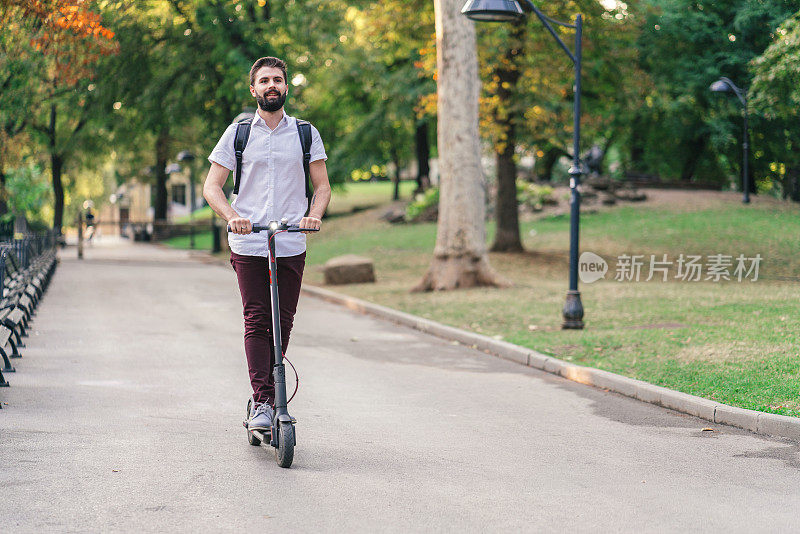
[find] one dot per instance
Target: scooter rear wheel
(251, 439)
(284, 454)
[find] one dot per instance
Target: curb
(768, 424)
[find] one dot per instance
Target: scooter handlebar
(296, 228)
(286, 227)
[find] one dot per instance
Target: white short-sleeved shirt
(273, 184)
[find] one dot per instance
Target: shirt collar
(257, 118)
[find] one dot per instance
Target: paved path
(125, 416)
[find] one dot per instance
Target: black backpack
(240, 142)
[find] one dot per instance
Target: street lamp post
(725, 85)
(511, 11)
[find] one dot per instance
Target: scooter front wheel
(284, 454)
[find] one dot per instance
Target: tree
(505, 116)
(154, 87)
(685, 46)
(528, 97)
(460, 258)
(67, 40)
(372, 87)
(28, 193)
(18, 65)
(776, 94)
(183, 73)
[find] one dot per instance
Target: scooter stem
(279, 371)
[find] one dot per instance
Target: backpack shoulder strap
(304, 130)
(239, 144)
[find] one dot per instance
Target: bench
(26, 268)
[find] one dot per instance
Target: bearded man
(272, 187)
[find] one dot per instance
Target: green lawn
(734, 342)
(362, 195)
(201, 214)
(202, 241)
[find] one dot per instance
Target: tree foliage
(126, 85)
(370, 92)
(58, 45)
(29, 194)
(776, 94)
(684, 130)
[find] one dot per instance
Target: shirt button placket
(269, 176)
(272, 180)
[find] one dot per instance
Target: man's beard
(271, 105)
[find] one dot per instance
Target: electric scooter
(282, 434)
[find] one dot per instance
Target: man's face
(270, 89)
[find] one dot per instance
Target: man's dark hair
(268, 61)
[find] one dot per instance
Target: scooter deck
(257, 432)
(264, 436)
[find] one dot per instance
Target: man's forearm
(215, 197)
(319, 202)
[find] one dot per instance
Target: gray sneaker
(261, 417)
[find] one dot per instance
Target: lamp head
(172, 168)
(721, 86)
(493, 10)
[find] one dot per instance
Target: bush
(28, 191)
(534, 196)
(423, 204)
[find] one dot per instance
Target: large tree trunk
(637, 143)
(507, 238)
(57, 164)
(423, 147)
(695, 152)
(162, 155)
(791, 184)
(396, 176)
(751, 179)
(56, 168)
(459, 258)
(3, 191)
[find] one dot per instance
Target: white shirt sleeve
(317, 148)
(223, 153)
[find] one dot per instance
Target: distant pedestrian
(90, 225)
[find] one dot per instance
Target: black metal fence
(29, 247)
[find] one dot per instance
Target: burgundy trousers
(253, 275)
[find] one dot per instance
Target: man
(272, 187)
(89, 224)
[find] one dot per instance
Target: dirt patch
(533, 257)
(564, 350)
(731, 352)
(679, 200)
(657, 326)
(683, 200)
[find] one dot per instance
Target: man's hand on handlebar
(240, 225)
(312, 223)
